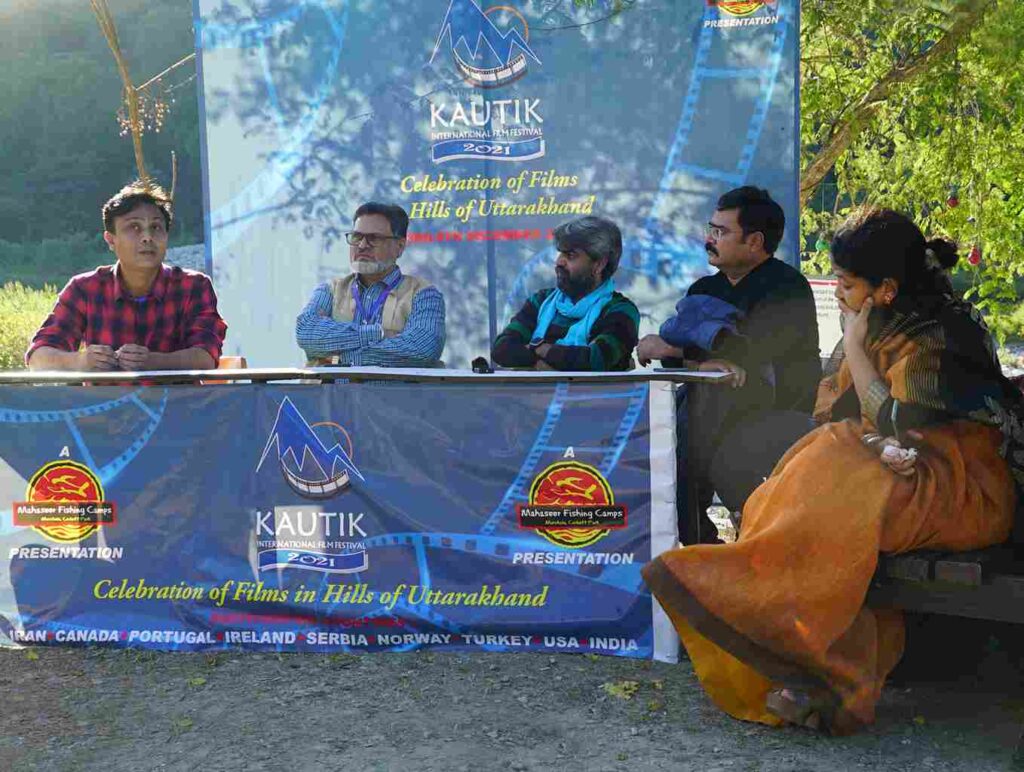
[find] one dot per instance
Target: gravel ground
(956, 703)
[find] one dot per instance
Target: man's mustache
(710, 249)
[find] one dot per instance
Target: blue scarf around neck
(584, 312)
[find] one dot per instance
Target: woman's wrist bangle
(872, 440)
(877, 394)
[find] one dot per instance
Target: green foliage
(1009, 325)
(52, 259)
(22, 309)
(63, 153)
(953, 130)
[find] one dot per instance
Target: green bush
(1009, 326)
(44, 262)
(22, 310)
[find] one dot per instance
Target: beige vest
(397, 307)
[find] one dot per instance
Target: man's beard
(574, 288)
(371, 266)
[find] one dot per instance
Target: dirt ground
(956, 703)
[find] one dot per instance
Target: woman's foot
(800, 708)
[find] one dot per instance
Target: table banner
(335, 518)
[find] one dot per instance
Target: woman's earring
(889, 297)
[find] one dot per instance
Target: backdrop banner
(337, 518)
(491, 123)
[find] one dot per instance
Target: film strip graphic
(656, 254)
(488, 542)
(546, 448)
(649, 255)
(75, 420)
(546, 443)
(152, 413)
(227, 221)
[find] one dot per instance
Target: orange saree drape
(783, 606)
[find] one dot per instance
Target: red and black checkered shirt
(179, 312)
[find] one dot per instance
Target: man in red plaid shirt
(137, 314)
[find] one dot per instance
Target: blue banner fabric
(491, 122)
(340, 518)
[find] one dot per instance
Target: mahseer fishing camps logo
(65, 503)
(740, 7)
(489, 49)
(315, 458)
(572, 505)
(741, 13)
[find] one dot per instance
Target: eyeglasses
(372, 239)
(716, 231)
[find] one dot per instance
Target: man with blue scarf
(582, 324)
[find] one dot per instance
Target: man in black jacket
(771, 352)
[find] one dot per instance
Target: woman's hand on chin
(855, 326)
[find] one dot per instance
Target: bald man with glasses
(376, 315)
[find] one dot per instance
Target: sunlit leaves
(958, 129)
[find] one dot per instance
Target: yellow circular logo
(67, 483)
(569, 484)
(740, 7)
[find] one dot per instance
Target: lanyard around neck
(364, 316)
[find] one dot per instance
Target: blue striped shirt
(420, 343)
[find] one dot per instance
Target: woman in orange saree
(775, 623)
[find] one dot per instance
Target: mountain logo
(313, 467)
(64, 503)
(485, 55)
(740, 7)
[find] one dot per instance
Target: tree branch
(109, 29)
(965, 16)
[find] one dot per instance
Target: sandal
(811, 711)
